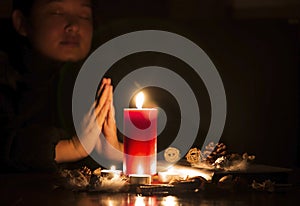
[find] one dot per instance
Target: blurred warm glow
(183, 172)
(110, 203)
(140, 170)
(139, 201)
(139, 100)
(169, 201)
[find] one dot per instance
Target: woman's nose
(72, 24)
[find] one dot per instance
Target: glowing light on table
(111, 173)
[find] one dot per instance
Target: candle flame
(139, 100)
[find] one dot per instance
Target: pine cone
(214, 151)
(77, 179)
(193, 156)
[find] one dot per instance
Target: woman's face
(61, 29)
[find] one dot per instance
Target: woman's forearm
(69, 150)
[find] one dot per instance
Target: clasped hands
(100, 119)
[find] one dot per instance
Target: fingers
(102, 109)
(111, 112)
(110, 98)
(105, 97)
(111, 115)
(105, 81)
(102, 114)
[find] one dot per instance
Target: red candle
(140, 139)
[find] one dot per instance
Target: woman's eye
(85, 16)
(57, 12)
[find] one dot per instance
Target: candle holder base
(137, 179)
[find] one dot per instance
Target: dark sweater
(35, 113)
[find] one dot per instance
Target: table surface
(38, 189)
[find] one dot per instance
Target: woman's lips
(71, 43)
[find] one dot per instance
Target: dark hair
(23, 5)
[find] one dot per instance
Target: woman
(54, 32)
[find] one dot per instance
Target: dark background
(255, 46)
